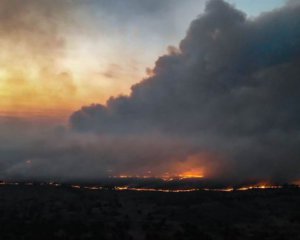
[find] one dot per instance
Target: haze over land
(223, 104)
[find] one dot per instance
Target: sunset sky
(57, 56)
(102, 88)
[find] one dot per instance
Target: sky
(92, 89)
(58, 56)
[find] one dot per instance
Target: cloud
(231, 88)
(292, 2)
(25, 23)
(41, 40)
(33, 43)
(40, 152)
(225, 101)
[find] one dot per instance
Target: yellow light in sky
(55, 86)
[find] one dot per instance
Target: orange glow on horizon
(297, 182)
(145, 189)
(191, 174)
(193, 167)
(194, 173)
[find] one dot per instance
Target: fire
(297, 182)
(165, 176)
(229, 189)
(186, 170)
(262, 187)
(93, 188)
(127, 188)
(194, 166)
(191, 174)
(133, 176)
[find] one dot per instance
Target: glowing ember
(166, 176)
(145, 189)
(93, 188)
(258, 187)
(297, 182)
(191, 167)
(127, 188)
(190, 174)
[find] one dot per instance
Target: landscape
(150, 119)
(54, 211)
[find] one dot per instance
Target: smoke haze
(225, 101)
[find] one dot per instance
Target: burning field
(61, 211)
(149, 120)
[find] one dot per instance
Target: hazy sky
(101, 88)
(59, 55)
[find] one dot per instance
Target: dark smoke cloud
(226, 99)
(231, 88)
(41, 152)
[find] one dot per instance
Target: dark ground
(44, 212)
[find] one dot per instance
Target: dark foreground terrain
(44, 212)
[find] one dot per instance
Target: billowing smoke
(59, 55)
(225, 102)
(231, 89)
